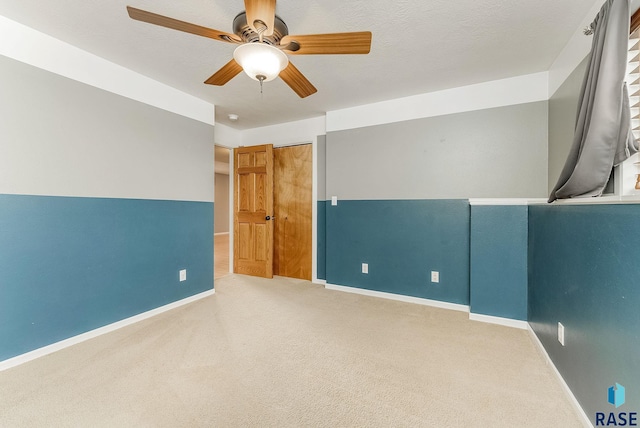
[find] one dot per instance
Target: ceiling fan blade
(328, 44)
(263, 11)
(296, 81)
(226, 73)
(165, 21)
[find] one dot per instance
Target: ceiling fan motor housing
(242, 29)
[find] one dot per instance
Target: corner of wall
(227, 136)
(40, 50)
(299, 131)
(573, 53)
(497, 93)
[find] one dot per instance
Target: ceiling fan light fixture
(261, 59)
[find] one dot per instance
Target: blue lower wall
(584, 271)
(402, 241)
(321, 258)
(70, 265)
(499, 261)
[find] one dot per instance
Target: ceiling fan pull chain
(261, 79)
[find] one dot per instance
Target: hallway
(220, 255)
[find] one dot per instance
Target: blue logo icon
(616, 395)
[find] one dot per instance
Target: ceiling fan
(263, 41)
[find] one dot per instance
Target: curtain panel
(603, 137)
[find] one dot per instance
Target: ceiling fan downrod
(260, 27)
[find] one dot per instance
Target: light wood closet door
(293, 169)
(253, 208)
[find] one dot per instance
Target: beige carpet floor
(288, 353)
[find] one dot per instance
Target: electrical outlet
(435, 276)
(365, 267)
(183, 275)
(561, 334)
(334, 201)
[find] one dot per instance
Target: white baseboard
(49, 349)
(572, 398)
(320, 281)
(508, 322)
(399, 297)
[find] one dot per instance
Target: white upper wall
(497, 93)
(282, 134)
(301, 131)
(227, 136)
(27, 45)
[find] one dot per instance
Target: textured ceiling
(418, 46)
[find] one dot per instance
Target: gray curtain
(603, 137)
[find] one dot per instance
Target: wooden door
(253, 205)
(293, 176)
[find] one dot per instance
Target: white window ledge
(633, 199)
(610, 199)
(506, 201)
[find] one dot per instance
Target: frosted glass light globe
(260, 59)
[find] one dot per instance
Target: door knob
(270, 218)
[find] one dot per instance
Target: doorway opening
(221, 232)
